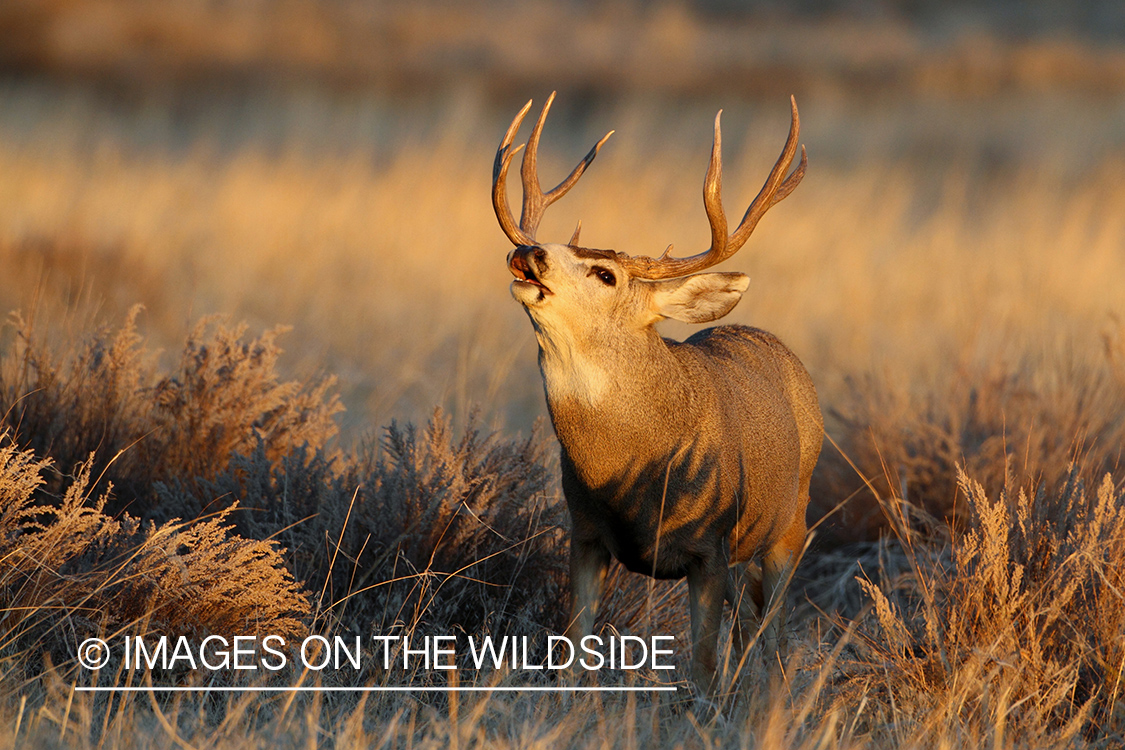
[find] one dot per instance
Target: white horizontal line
(380, 689)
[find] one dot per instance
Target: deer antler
(722, 247)
(535, 201)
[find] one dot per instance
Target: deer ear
(700, 298)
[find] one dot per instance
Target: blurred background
(326, 165)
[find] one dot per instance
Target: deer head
(570, 286)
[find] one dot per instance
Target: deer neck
(610, 393)
(598, 366)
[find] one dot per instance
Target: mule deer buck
(678, 458)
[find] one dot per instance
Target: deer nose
(529, 259)
(539, 255)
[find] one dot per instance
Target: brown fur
(678, 458)
(702, 459)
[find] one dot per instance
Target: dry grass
(1012, 634)
(71, 571)
(950, 270)
(103, 402)
(1006, 634)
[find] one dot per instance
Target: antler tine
(535, 201)
(500, 166)
(792, 181)
(574, 237)
(775, 189)
(713, 195)
(765, 197)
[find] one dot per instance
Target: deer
(678, 458)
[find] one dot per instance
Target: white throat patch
(568, 373)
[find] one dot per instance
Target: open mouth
(525, 273)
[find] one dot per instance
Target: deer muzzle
(528, 263)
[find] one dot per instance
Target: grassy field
(951, 271)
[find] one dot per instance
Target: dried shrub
(1036, 419)
(71, 404)
(107, 400)
(634, 603)
(475, 508)
(225, 399)
(70, 570)
(1016, 626)
(423, 530)
(470, 530)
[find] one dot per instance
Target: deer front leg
(589, 561)
(707, 587)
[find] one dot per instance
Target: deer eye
(604, 275)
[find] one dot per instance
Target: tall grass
(1005, 634)
(1004, 627)
(71, 571)
(1011, 634)
(104, 402)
